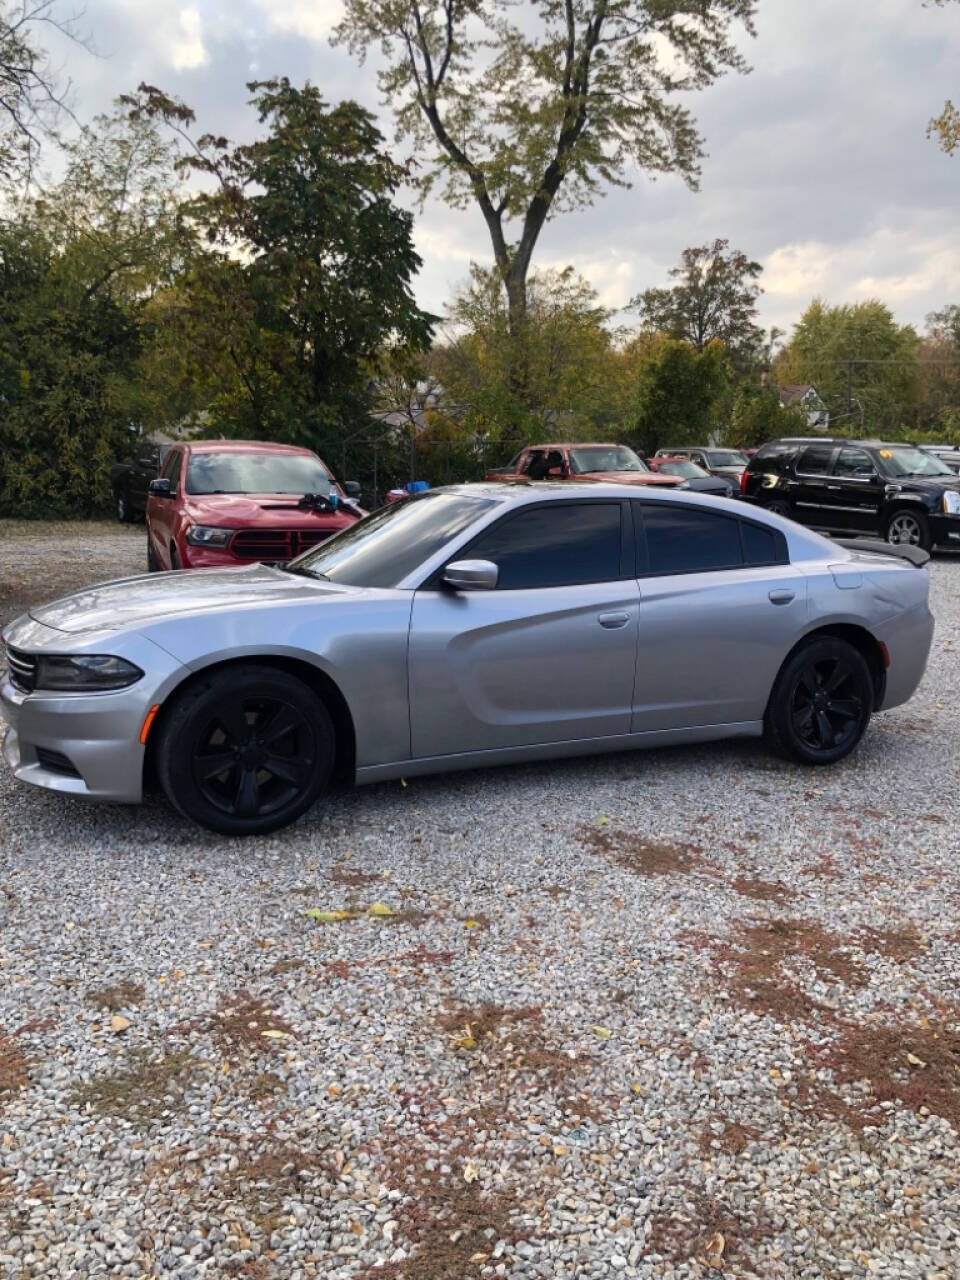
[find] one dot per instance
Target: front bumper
(98, 734)
(945, 530)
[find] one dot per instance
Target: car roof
(246, 446)
(583, 444)
(521, 492)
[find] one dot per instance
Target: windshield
(605, 458)
(689, 470)
(726, 458)
(257, 473)
(381, 549)
(911, 462)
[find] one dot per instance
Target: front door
(808, 485)
(549, 655)
(720, 609)
(855, 492)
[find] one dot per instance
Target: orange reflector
(145, 731)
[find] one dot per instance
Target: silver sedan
(468, 626)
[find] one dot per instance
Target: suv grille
(276, 544)
(23, 670)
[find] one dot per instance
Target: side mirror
(471, 575)
(351, 488)
(161, 488)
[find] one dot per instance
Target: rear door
(855, 491)
(720, 609)
(162, 512)
(808, 485)
(549, 655)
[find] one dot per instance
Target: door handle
(613, 620)
(782, 597)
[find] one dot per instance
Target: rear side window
(686, 540)
(554, 546)
(815, 460)
(775, 449)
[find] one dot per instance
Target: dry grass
(734, 1138)
(123, 995)
(762, 890)
(642, 856)
(14, 1068)
(242, 1024)
(689, 1232)
(147, 1088)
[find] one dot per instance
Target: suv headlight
(85, 673)
(205, 535)
(951, 502)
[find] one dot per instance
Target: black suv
(900, 492)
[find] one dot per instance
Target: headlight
(85, 673)
(951, 502)
(205, 535)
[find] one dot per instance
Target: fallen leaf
(178, 974)
(915, 1061)
(471, 924)
(479, 1257)
(273, 1034)
(329, 917)
(470, 1171)
(637, 1089)
(603, 1032)
(381, 909)
(403, 782)
(205, 944)
(712, 1254)
(602, 821)
(465, 1040)
(333, 1090)
(118, 1023)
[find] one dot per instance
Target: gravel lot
(684, 1013)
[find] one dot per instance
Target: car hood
(631, 477)
(708, 484)
(934, 485)
(259, 511)
(129, 601)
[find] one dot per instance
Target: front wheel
(152, 565)
(821, 703)
(121, 507)
(909, 528)
(245, 750)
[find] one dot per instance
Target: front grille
(23, 670)
(275, 544)
(57, 762)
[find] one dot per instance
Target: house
(807, 397)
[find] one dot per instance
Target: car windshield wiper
(303, 572)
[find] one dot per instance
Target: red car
(224, 503)
(604, 463)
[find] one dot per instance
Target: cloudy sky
(817, 165)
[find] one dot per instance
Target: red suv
(223, 503)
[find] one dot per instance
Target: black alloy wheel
(779, 507)
(822, 702)
(246, 751)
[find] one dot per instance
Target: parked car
(584, 462)
(949, 454)
(131, 480)
(466, 626)
(219, 503)
(697, 479)
(728, 463)
(893, 491)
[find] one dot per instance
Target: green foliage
(307, 279)
(714, 299)
(676, 391)
(946, 126)
(758, 416)
(882, 375)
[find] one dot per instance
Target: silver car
(473, 625)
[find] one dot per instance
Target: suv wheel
(152, 565)
(821, 703)
(908, 528)
(246, 750)
(779, 507)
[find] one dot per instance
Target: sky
(818, 165)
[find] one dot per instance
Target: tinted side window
(762, 545)
(685, 540)
(776, 449)
(853, 462)
(171, 468)
(815, 460)
(554, 546)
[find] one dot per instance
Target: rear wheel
(821, 703)
(246, 750)
(908, 528)
(779, 507)
(121, 507)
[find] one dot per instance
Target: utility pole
(849, 389)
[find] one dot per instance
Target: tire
(906, 527)
(234, 717)
(779, 508)
(152, 565)
(803, 720)
(121, 507)
(174, 558)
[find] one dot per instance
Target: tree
(856, 355)
(676, 391)
(572, 364)
(714, 299)
(524, 119)
(946, 126)
(309, 272)
(758, 416)
(31, 97)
